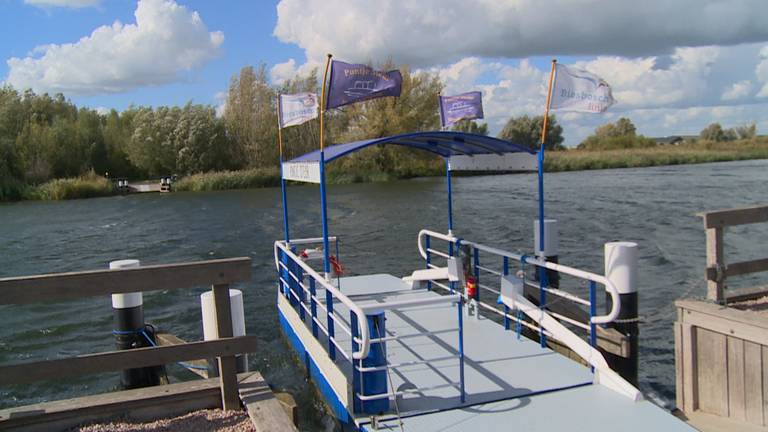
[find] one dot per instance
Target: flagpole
(282, 179)
(542, 270)
(323, 205)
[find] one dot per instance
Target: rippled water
(378, 224)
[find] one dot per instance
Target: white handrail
(362, 321)
(601, 319)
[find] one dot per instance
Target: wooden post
(227, 365)
(715, 260)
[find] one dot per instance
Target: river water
(377, 223)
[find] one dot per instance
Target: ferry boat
(427, 351)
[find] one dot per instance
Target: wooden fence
(219, 274)
(717, 271)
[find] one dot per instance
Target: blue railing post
(476, 259)
(331, 333)
(592, 313)
(429, 256)
(542, 298)
(450, 253)
(302, 293)
(313, 305)
(461, 350)
(505, 272)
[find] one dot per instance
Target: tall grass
(86, 186)
(222, 180)
(689, 153)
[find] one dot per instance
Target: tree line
(44, 137)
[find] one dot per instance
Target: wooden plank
(68, 286)
(715, 259)
(711, 423)
(764, 352)
(22, 373)
(746, 267)
(690, 374)
(198, 367)
(712, 372)
(265, 411)
(727, 326)
(679, 388)
(714, 311)
(753, 383)
(227, 364)
(745, 294)
(141, 405)
(730, 217)
(736, 403)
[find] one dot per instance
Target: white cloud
(166, 40)
(676, 94)
(737, 90)
(282, 72)
(430, 32)
(72, 4)
(761, 70)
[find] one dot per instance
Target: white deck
(509, 382)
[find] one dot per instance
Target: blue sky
(248, 40)
(669, 75)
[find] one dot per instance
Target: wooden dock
(228, 391)
(721, 346)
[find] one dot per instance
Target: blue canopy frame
(443, 143)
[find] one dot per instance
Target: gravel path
(198, 421)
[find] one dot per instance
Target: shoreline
(92, 186)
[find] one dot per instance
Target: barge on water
(414, 353)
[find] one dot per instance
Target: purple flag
(464, 106)
(352, 83)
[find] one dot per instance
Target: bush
(224, 180)
(86, 186)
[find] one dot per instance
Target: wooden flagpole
(322, 101)
(323, 205)
(549, 101)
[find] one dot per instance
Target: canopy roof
(445, 144)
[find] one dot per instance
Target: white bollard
(210, 330)
(621, 262)
(551, 250)
(551, 238)
(621, 266)
(126, 300)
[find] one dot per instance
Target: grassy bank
(86, 186)
(689, 153)
(356, 171)
(222, 180)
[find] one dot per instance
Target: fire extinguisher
(471, 287)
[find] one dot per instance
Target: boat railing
(304, 295)
(487, 260)
(299, 283)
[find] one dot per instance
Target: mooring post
(621, 262)
(370, 383)
(210, 325)
(551, 251)
(129, 332)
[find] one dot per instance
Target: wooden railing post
(227, 365)
(716, 261)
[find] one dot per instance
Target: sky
(675, 66)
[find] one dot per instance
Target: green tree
(471, 126)
(618, 135)
(251, 118)
(713, 132)
(526, 131)
(200, 141)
